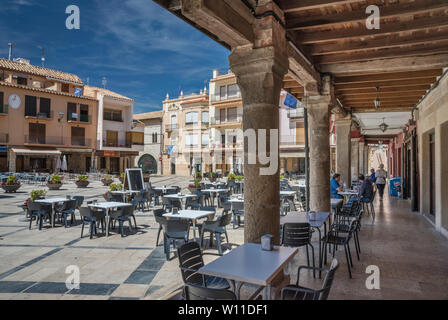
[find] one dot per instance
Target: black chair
(123, 215)
(174, 230)
(79, 201)
(193, 203)
(190, 261)
(160, 219)
(167, 204)
(192, 292)
(297, 292)
(299, 235)
(339, 238)
(68, 209)
(141, 200)
(91, 217)
(238, 212)
(38, 213)
(216, 228)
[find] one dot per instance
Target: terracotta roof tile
(149, 115)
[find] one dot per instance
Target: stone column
(362, 169)
(318, 120)
(354, 160)
(12, 161)
(260, 75)
(343, 149)
(366, 158)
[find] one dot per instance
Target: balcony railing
(80, 142)
(117, 144)
(4, 138)
(216, 121)
(40, 115)
(58, 141)
(217, 98)
(80, 118)
(4, 110)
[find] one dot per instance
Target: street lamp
(377, 101)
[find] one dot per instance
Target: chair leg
(31, 221)
(314, 263)
(307, 256)
(348, 262)
(135, 222)
(158, 235)
(227, 237)
(350, 254)
(92, 227)
(202, 239)
(41, 221)
(82, 228)
(218, 242)
(121, 228)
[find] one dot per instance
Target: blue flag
(290, 101)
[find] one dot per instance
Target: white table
(249, 264)
(107, 206)
(180, 197)
(300, 184)
(52, 202)
(348, 194)
(287, 193)
(192, 215)
(164, 189)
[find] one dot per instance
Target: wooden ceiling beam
(360, 16)
(372, 96)
(367, 44)
(289, 6)
(383, 104)
(383, 53)
(390, 109)
(361, 31)
(418, 89)
(385, 84)
(388, 65)
(388, 76)
(369, 102)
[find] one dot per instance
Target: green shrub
(37, 194)
(115, 187)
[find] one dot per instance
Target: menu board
(133, 180)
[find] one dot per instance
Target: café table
(180, 196)
(319, 221)
(192, 215)
(106, 207)
(251, 265)
(52, 202)
(347, 194)
(287, 192)
(123, 193)
(164, 189)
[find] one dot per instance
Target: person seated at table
(335, 186)
(366, 190)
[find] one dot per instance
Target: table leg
(52, 215)
(194, 229)
(107, 222)
(320, 252)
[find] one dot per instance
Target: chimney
(215, 73)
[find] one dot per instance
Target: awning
(36, 152)
(73, 150)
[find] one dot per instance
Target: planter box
(11, 188)
(82, 184)
(107, 182)
(54, 186)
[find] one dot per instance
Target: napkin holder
(267, 242)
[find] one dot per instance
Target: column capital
(356, 139)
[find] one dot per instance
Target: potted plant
(239, 178)
(115, 187)
(37, 195)
(54, 183)
(11, 184)
(121, 177)
(195, 186)
(82, 181)
(107, 180)
(231, 176)
(213, 176)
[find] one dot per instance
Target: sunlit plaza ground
(410, 255)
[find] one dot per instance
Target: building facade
(117, 143)
(150, 157)
(44, 115)
(186, 134)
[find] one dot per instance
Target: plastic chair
(91, 217)
(37, 213)
(192, 292)
(174, 230)
(238, 212)
(123, 215)
(216, 228)
(69, 210)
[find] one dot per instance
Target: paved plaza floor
(411, 256)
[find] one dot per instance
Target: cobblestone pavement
(33, 263)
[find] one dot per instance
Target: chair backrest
(85, 212)
(193, 292)
(158, 215)
(127, 211)
(225, 219)
(175, 226)
(296, 234)
(70, 204)
(108, 196)
(190, 257)
(207, 209)
(79, 201)
(237, 206)
(34, 206)
(328, 281)
(166, 201)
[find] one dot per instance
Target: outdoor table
(124, 193)
(52, 202)
(192, 215)
(348, 194)
(214, 192)
(107, 206)
(180, 196)
(301, 217)
(249, 264)
(164, 189)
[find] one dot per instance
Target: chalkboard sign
(133, 180)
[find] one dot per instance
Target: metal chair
(238, 212)
(299, 235)
(37, 212)
(297, 292)
(174, 230)
(91, 217)
(192, 292)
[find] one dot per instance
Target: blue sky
(143, 50)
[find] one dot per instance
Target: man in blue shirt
(335, 187)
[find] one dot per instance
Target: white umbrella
(64, 164)
(58, 164)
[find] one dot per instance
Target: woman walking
(381, 176)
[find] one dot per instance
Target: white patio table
(52, 202)
(249, 264)
(107, 206)
(180, 196)
(192, 215)
(214, 192)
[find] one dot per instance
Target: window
(65, 87)
(222, 115)
(191, 118)
(191, 140)
(71, 112)
(45, 106)
(84, 113)
(233, 91)
(111, 138)
(36, 133)
(30, 106)
(2, 109)
(112, 115)
(205, 139)
(223, 92)
(205, 117)
(22, 81)
(138, 138)
(173, 122)
(232, 114)
(154, 137)
(103, 162)
(223, 139)
(78, 136)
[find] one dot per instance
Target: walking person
(381, 176)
